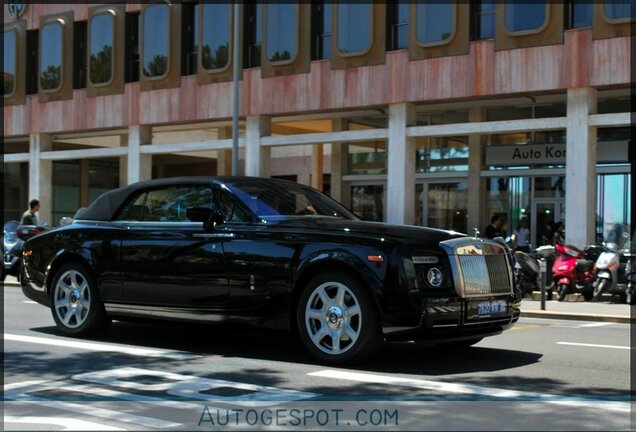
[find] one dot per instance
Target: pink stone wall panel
(482, 71)
(17, 119)
(610, 61)
(529, 69)
(397, 66)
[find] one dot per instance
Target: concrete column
(580, 168)
(224, 157)
(41, 177)
(123, 162)
(139, 166)
(257, 157)
(317, 166)
(340, 190)
(401, 166)
(476, 184)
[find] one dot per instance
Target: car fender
(63, 256)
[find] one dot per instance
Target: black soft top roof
(107, 204)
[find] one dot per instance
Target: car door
(167, 260)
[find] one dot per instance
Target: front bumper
(451, 319)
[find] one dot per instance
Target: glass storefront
(16, 190)
(367, 202)
(442, 205)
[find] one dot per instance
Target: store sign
(16, 9)
(550, 154)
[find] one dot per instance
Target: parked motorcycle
(13, 237)
(610, 271)
(630, 288)
(572, 272)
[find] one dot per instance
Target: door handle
(214, 235)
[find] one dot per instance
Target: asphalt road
(541, 375)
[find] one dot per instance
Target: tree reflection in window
(51, 56)
(101, 49)
(215, 33)
(8, 69)
(282, 32)
(620, 10)
(435, 22)
(156, 39)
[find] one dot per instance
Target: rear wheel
(75, 303)
(337, 319)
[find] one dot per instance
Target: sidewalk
(572, 308)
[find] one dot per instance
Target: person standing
(521, 236)
(494, 229)
(559, 233)
(29, 217)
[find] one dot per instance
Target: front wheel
(562, 291)
(337, 319)
(75, 303)
(599, 288)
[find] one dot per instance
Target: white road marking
(29, 302)
(471, 390)
(104, 347)
(596, 324)
(67, 423)
(594, 345)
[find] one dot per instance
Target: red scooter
(572, 272)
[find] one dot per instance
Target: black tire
(75, 303)
(562, 291)
(599, 288)
(459, 345)
(588, 295)
(318, 320)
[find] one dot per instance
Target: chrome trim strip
(163, 312)
(214, 235)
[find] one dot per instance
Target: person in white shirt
(521, 236)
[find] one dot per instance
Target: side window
(132, 210)
(170, 204)
(231, 211)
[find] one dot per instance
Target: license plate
(492, 307)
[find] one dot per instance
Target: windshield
(274, 201)
(9, 230)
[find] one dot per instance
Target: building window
(9, 65)
(51, 56)
(525, 17)
(620, 11)
(442, 154)
(253, 34)
(398, 25)
(79, 55)
(368, 202)
(367, 158)
(131, 48)
(282, 32)
(32, 62)
(484, 20)
(435, 22)
(215, 36)
(156, 40)
(354, 28)
(66, 189)
(446, 205)
(189, 37)
(579, 14)
(100, 64)
(321, 26)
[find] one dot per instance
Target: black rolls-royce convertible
(272, 253)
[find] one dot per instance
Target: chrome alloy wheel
(72, 301)
(333, 318)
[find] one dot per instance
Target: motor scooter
(572, 273)
(630, 288)
(610, 271)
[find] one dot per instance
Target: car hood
(405, 233)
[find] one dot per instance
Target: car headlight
(435, 277)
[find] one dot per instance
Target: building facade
(431, 114)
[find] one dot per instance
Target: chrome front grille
(480, 267)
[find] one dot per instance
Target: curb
(621, 319)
